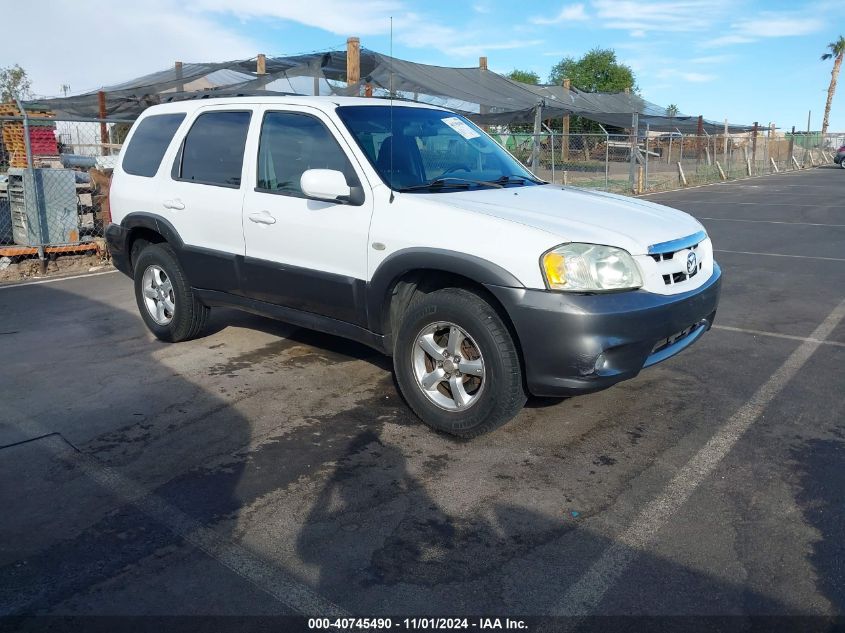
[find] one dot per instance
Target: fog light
(601, 362)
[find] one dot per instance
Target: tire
(486, 348)
(160, 281)
(842, 163)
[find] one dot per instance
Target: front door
(305, 254)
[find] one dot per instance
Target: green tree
(14, 84)
(836, 50)
(524, 76)
(596, 71)
(672, 110)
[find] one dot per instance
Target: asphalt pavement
(268, 470)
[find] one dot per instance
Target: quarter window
(213, 150)
(292, 143)
(149, 143)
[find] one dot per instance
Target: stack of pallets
(42, 137)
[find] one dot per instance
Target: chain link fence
(55, 175)
(621, 163)
(54, 179)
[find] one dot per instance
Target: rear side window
(213, 151)
(292, 143)
(149, 143)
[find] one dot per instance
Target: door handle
(176, 204)
(262, 217)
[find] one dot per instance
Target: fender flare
(432, 259)
(143, 219)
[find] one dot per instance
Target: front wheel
(165, 299)
(457, 364)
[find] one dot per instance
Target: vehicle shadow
(378, 533)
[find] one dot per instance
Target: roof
(322, 103)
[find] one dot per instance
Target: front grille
(677, 276)
(671, 340)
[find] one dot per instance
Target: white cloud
(124, 40)
(366, 17)
(711, 59)
(767, 25)
(480, 8)
(479, 49)
(664, 15)
(570, 13)
(692, 77)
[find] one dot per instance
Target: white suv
(407, 228)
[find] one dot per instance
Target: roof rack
(214, 94)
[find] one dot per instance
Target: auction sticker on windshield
(460, 127)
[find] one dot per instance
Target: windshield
(431, 150)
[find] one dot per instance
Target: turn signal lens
(555, 267)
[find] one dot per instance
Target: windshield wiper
(512, 179)
(439, 183)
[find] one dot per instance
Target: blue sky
(741, 59)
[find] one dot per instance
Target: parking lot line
(829, 259)
(54, 280)
(585, 594)
(791, 337)
(700, 217)
(249, 566)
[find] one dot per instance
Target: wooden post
(482, 108)
(699, 133)
(368, 90)
(721, 171)
(774, 164)
(681, 174)
(261, 70)
(104, 128)
(353, 60)
(180, 86)
(792, 145)
(754, 145)
(564, 146)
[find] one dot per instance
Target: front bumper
(578, 343)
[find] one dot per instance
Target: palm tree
(836, 50)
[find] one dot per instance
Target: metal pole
(606, 158)
(635, 130)
(535, 150)
(30, 169)
(647, 128)
(552, 137)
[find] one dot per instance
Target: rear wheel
(165, 299)
(457, 364)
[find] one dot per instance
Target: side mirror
(325, 184)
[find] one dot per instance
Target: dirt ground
(25, 268)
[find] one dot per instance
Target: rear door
(202, 195)
(301, 253)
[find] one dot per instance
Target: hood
(578, 215)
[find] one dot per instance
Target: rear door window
(149, 143)
(213, 150)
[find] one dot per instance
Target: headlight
(590, 268)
